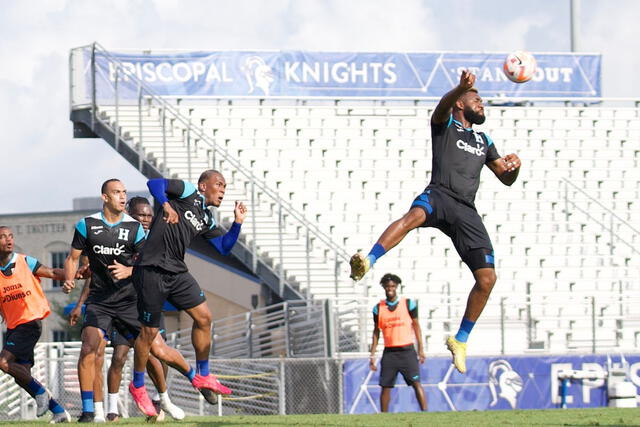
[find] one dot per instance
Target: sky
(44, 168)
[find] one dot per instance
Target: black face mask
(473, 117)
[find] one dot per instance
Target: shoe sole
(357, 267)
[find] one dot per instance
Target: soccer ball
(519, 66)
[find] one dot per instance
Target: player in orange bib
(397, 318)
(23, 305)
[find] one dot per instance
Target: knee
(4, 365)
(203, 320)
(486, 281)
(413, 219)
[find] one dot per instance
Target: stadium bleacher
(563, 228)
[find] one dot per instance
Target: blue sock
(55, 407)
(190, 374)
(376, 252)
(87, 401)
(203, 367)
(138, 379)
(465, 329)
(35, 388)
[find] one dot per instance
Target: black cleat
(112, 418)
(86, 417)
(209, 396)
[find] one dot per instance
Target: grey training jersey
(458, 157)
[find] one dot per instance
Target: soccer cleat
(62, 417)
(86, 417)
(459, 352)
(209, 396)
(42, 403)
(113, 418)
(171, 409)
(209, 382)
(161, 414)
(99, 419)
(142, 400)
(360, 264)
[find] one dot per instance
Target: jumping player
(110, 239)
(459, 153)
(23, 305)
(397, 318)
(161, 274)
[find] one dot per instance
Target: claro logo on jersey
(107, 250)
(477, 150)
(191, 217)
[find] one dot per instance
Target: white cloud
(46, 167)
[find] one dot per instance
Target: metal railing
(619, 232)
(282, 209)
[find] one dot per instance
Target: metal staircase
(282, 247)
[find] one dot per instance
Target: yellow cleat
(459, 352)
(360, 264)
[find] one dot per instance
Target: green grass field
(554, 417)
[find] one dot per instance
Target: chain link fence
(260, 386)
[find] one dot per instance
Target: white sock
(99, 409)
(164, 397)
(155, 396)
(112, 401)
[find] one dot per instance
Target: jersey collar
(12, 259)
(392, 303)
(460, 124)
(108, 223)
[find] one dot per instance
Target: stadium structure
(326, 149)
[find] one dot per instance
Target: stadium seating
(562, 233)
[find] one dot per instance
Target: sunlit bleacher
(564, 231)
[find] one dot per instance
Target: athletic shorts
(155, 286)
(122, 316)
(21, 340)
(121, 336)
(396, 360)
(461, 223)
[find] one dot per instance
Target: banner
(509, 382)
(334, 74)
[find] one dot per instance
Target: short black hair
(103, 189)
(206, 174)
(389, 277)
(135, 201)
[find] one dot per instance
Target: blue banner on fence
(509, 382)
(332, 74)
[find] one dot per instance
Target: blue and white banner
(509, 382)
(334, 74)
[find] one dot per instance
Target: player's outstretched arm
(442, 111)
(70, 269)
(506, 168)
(51, 273)
(224, 243)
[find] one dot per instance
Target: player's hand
(170, 214)
(421, 357)
(240, 212)
(83, 272)
(511, 162)
(68, 286)
(119, 271)
(372, 364)
(75, 314)
(467, 80)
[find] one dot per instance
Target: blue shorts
(461, 223)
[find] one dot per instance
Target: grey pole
(575, 24)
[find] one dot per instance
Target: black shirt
(458, 156)
(167, 243)
(104, 243)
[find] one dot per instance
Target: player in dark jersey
(140, 210)
(110, 239)
(23, 305)
(459, 153)
(160, 272)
